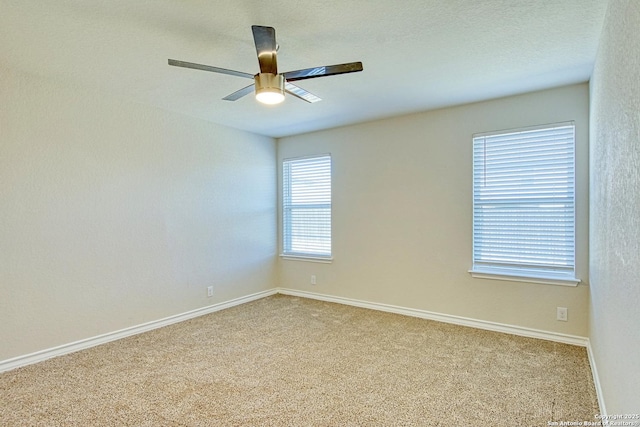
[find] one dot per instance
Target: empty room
(381, 213)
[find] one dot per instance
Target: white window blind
(307, 206)
(524, 202)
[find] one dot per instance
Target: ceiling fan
(270, 86)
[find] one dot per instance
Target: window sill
(308, 258)
(523, 277)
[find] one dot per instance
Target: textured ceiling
(417, 54)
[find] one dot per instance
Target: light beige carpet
(286, 361)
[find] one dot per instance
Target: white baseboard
(446, 318)
(596, 379)
(42, 355)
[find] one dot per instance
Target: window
(524, 204)
(306, 207)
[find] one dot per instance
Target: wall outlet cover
(562, 314)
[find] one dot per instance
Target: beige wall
(113, 214)
(402, 213)
(615, 208)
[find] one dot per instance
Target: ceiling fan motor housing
(269, 87)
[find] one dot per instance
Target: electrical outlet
(562, 313)
(313, 279)
(210, 291)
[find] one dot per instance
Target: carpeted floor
(287, 361)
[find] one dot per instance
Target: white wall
(615, 208)
(113, 214)
(402, 213)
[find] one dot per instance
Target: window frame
(302, 255)
(517, 272)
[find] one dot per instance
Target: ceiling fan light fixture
(269, 88)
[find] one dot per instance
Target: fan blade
(327, 70)
(184, 64)
(239, 93)
(266, 47)
(298, 92)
